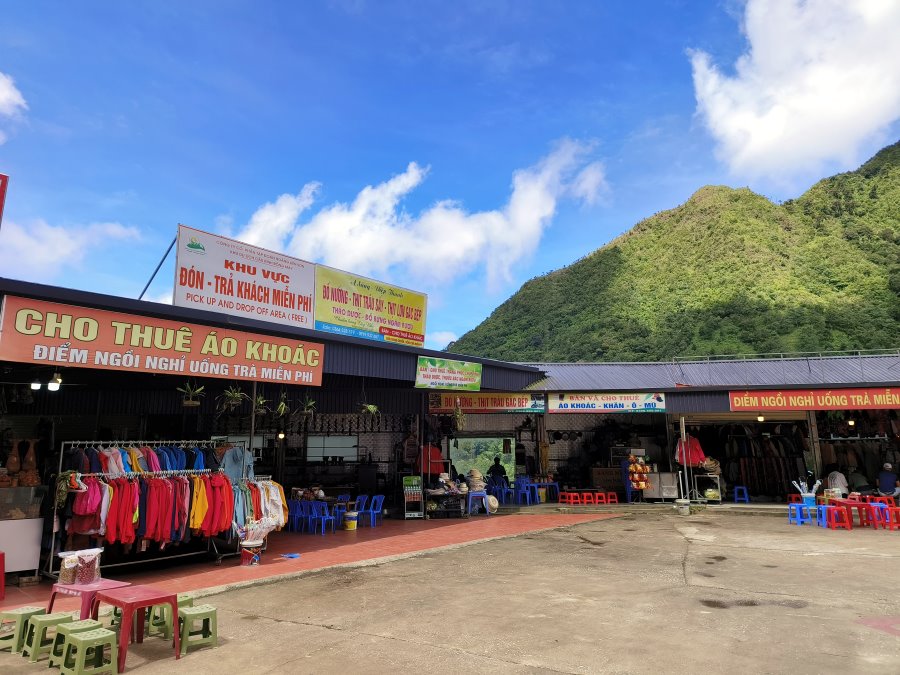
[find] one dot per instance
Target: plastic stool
(837, 518)
(161, 618)
(795, 514)
(893, 518)
(36, 640)
(612, 498)
(63, 631)
(600, 498)
(588, 498)
(484, 501)
(822, 514)
(90, 648)
(795, 499)
(207, 634)
(14, 639)
(740, 494)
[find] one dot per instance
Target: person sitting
(837, 480)
(888, 485)
(858, 482)
(497, 471)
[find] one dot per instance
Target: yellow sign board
(347, 304)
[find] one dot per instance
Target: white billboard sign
(224, 275)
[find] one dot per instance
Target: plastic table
(863, 509)
(132, 600)
(547, 486)
(86, 591)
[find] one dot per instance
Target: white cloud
(11, 100)
(374, 235)
(439, 339)
(41, 252)
(820, 80)
(590, 184)
(12, 103)
(274, 221)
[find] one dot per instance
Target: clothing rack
(194, 442)
(164, 474)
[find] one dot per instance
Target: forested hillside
(727, 272)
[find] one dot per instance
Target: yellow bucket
(542, 495)
(350, 519)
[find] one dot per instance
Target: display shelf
(21, 503)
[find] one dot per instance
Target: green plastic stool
(14, 639)
(90, 647)
(161, 618)
(63, 631)
(36, 640)
(207, 634)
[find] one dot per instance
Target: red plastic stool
(574, 498)
(600, 498)
(564, 498)
(838, 518)
(588, 498)
(893, 518)
(612, 498)
(795, 499)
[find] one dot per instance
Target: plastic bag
(80, 567)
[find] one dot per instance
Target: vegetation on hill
(727, 272)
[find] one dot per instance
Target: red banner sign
(814, 399)
(34, 331)
(4, 181)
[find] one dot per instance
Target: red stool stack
(612, 498)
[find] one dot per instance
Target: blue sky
(455, 148)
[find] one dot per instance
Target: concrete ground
(650, 593)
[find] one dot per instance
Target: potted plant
(459, 417)
(307, 406)
(261, 404)
(368, 409)
(231, 398)
(191, 394)
(282, 408)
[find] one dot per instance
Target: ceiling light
(760, 418)
(852, 423)
(55, 381)
(36, 385)
(280, 435)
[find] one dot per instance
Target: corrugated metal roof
(867, 370)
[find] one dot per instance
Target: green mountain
(727, 272)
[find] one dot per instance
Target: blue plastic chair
(340, 508)
(740, 494)
(499, 488)
(506, 492)
(375, 510)
(360, 505)
(295, 515)
(321, 516)
(523, 489)
(307, 515)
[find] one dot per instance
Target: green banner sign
(434, 373)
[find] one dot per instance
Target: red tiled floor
(393, 537)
